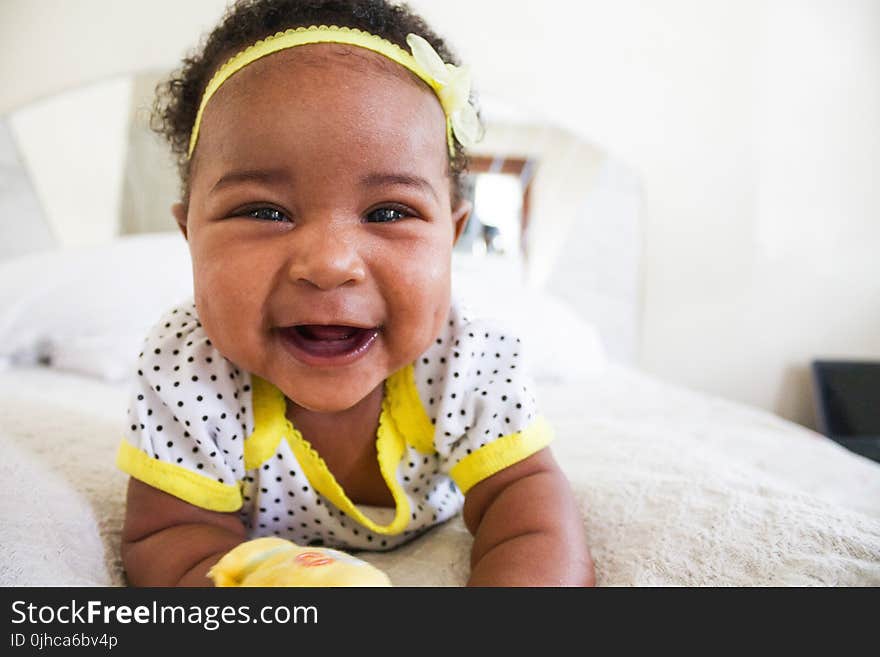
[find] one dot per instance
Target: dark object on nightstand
(847, 399)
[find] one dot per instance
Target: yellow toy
(277, 562)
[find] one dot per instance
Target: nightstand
(846, 396)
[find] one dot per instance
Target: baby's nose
(326, 259)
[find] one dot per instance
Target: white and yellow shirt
(217, 437)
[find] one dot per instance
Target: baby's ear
(460, 215)
(179, 212)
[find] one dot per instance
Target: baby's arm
(527, 529)
(169, 542)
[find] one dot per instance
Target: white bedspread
(676, 488)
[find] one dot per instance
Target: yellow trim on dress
(177, 480)
(270, 423)
(501, 453)
(408, 411)
(390, 447)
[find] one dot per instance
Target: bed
(675, 487)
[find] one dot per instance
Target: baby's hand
(277, 562)
(527, 529)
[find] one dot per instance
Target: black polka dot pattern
(175, 418)
(473, 386)
(193, 408)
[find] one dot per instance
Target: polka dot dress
(473, 387)
(215, 436)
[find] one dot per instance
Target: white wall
(51, 45)
(755, 126)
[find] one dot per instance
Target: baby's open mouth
(326, 344)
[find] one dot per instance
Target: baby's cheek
(228, 309)
(421, 290)
(424, 272)
(213, 288)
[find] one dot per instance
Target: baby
(324, 387)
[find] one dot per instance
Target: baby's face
(319, 199)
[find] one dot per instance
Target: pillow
(87, 310)
(560, 345)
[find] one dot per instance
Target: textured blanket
(676, 488)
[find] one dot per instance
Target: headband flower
(453, 86)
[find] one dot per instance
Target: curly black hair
(247, 21)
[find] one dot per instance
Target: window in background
(499, 188)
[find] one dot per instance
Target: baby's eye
(269, 214)
(384, 215)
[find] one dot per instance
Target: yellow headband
(452, 84)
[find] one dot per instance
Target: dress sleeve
(189, 413)
(480, 400)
